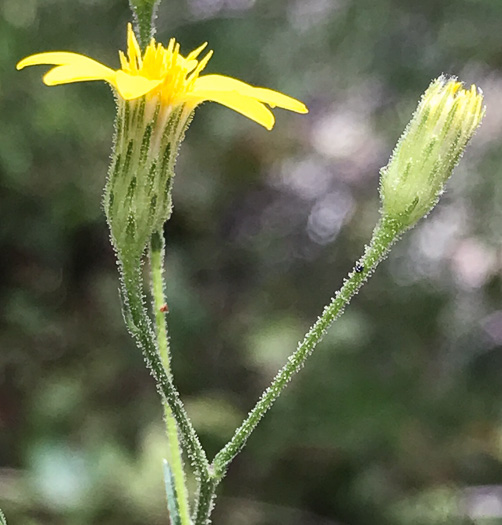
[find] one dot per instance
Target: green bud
(429, 149)
(137, 197)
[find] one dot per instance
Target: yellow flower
(163, 75)
(157, 92)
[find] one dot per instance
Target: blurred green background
(397, 418)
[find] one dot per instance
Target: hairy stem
(144, 12)
(140, 326)
(157, 255)
(205, 500)
(384, 235)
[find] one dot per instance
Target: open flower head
(429, 149)
(157, 92)
(163, 74)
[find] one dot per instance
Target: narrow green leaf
(172, 501)
(3, 520)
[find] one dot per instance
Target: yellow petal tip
(21, 64)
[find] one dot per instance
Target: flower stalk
(385, 235)
(157, 248)
(138, 322)
(144, 12)
(206, 495)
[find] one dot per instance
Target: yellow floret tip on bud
(429, 149)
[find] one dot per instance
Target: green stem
(384, 235)
(157, 254)
(205, 500)
(140, 326)
(144, 14)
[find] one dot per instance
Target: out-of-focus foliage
(397, 417)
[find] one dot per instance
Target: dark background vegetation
(397, 418)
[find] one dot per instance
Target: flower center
(159, 63)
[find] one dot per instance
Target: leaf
(3, 520)
(172, 501)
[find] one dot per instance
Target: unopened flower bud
(428, 150)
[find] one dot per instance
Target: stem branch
(385, 234)
(205, 500)
(144, 14)
(157, 254)
(140, 326)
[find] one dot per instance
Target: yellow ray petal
(71, 67)
(56, 58)
(247, 106)
(277, 99)
(134, 86)
(268, 96)
(78, 73)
